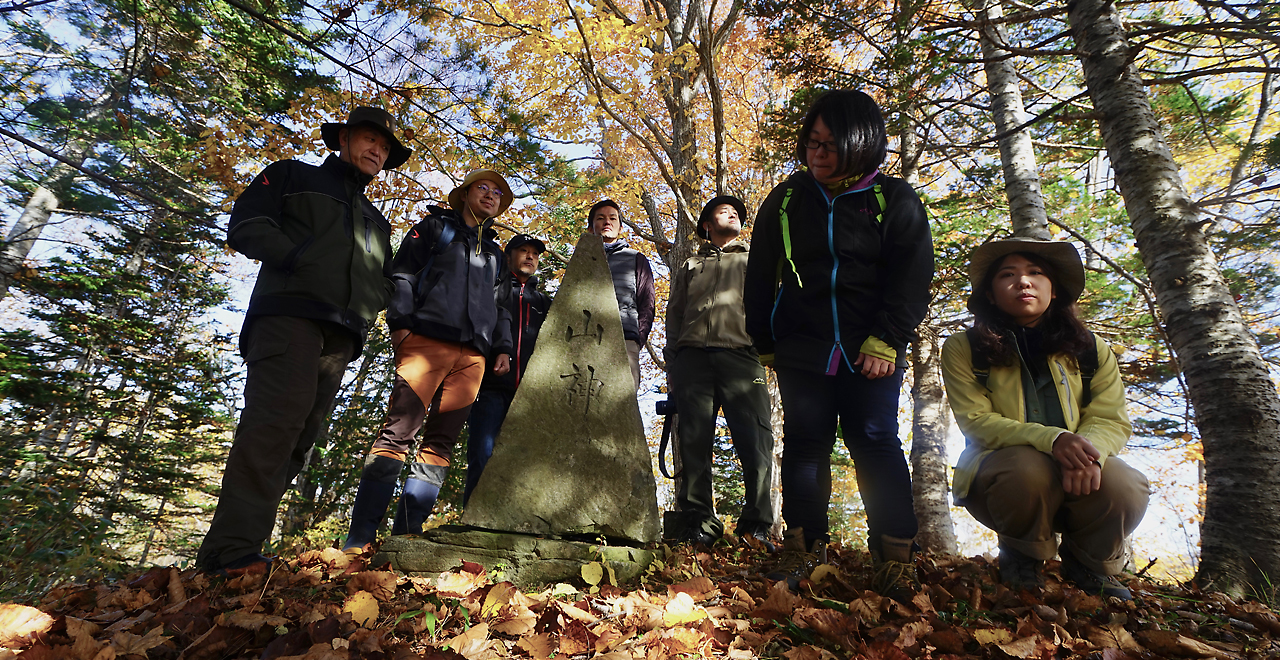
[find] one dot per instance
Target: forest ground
(693, 602)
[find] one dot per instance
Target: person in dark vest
(1043, 411)
(528, 308)
(448, 328)
(713, 364)
(325, 252)
(632, 279)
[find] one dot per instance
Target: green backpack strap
(981, 366)
(1088, 367)
(879, 192)
(786, 237)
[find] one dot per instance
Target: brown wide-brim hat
(1062, 256)
(709, 210)
(375, 118)
(456, 196)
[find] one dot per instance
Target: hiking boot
(895, 569)
(246, 565)
(757, 537)
(696, 535)
(1089, 581)
(1020, 572)
(795, 563)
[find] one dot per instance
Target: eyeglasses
(486, 190)
(814, 145)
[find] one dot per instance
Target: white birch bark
(1237, 410)
(931, 422)
(930, 415)
(1017, 156)
(22, 236)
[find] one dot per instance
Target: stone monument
(571, 461)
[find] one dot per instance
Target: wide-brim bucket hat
(1061, 256)
(456, 196)
(709, 210)
(375, 118)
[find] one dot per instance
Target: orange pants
(430, 373)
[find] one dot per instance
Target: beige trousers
(633, 354)
(1018, 493)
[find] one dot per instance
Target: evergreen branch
(23, 6)
(111, 183)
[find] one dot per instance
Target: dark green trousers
(704, 381)
(295, 367)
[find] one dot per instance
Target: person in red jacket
(528, 309)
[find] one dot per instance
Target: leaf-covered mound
(321, 605)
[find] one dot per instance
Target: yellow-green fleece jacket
(994, 417)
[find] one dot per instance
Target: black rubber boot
(370, 508)
(377, 486)
(416, 503)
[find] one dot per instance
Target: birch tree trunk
(1237, 410)
(930, 415)
(22, 236)
(931, 422)
(1017, 156)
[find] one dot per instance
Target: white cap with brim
(1062, 257)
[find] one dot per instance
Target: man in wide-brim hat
(325, 251)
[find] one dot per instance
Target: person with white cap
(446, 320)
(1042, 408)
(325, 254)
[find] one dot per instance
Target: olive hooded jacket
(992, 417)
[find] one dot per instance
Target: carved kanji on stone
(583, 387)
(587, 331)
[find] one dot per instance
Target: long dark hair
(855, 122)
(1062, 332)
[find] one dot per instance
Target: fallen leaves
(324, 605)
(363, 608)
(20, 624)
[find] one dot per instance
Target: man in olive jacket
(712, 364)
(326, 253)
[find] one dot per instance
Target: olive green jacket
(993, 417)
(705, 309)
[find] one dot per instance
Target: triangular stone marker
(572, 458)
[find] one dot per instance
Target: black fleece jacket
(856, 270)
(325, 248)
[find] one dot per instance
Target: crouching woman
(1042, 408)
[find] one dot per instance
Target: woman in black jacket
(841, 262)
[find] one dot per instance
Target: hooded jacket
(854, 266)
(458, 297)
(994, 417)
(633, 286)
(527, 308)
(325, 248)
(705, 310)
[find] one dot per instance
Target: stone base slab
(527, 561)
